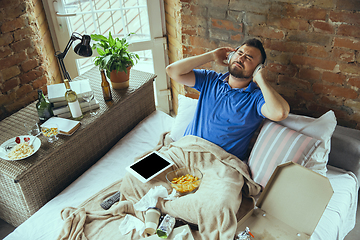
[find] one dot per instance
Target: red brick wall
(313, 47)
(27, 60)
(173, 14)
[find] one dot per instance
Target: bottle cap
(66, 82)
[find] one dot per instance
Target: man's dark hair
(253, 42)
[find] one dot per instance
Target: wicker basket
(26, 185)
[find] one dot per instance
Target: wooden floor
(5, 229)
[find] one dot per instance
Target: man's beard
(237, 72)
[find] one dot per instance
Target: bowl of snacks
(185, 180)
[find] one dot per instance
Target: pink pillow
(275, 145)
(321, 128)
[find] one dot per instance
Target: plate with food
(18, 148)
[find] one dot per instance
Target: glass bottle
(44, 107)
(105, 86)
(73, 102)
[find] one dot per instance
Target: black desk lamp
(82, 49)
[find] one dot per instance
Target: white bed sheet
(338, 219)
(46, 222)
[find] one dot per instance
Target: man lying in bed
(232, 105)
(226, 110)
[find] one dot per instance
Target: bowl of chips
(185, 180)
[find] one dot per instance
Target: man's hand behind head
(221, 55)
(182, 71)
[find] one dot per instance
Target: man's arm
(182, 71)
(276, 108)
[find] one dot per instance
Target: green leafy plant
(113, 53)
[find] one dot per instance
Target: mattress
(47, 224)
(339, 217)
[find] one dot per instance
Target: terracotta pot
(120, 80)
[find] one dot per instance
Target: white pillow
(320, 128)
(186, 110)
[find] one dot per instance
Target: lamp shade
(84, 48)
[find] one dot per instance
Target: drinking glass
(32, 128)
(50, 131)
(89, 96)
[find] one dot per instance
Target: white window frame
(157, 44)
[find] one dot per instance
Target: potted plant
(115, 58)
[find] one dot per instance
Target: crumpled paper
(151, 198)
(180, 236)
(129, 223)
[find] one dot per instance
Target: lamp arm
(63, 69)
(62, 55)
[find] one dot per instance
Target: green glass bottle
(44, 107)
(73, 102)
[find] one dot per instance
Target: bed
(337, 220)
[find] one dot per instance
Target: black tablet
(149, 166)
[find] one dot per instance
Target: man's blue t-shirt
(225, 116)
